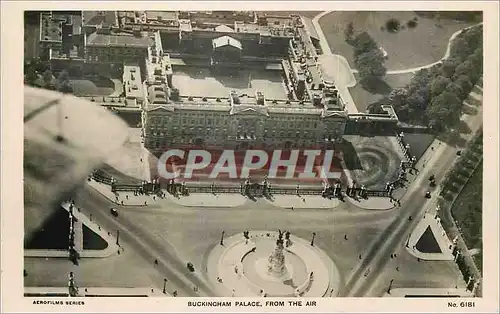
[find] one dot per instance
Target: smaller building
(134, 94)
(51, 35)
(116, 48)
(226, 50)
(97, 20)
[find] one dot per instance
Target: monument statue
(277, 267)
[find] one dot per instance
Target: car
(428, 194)
(114, 212)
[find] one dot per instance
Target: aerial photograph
(253, 154)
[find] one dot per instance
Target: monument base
(262, 269)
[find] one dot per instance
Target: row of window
(154, 134)
(225, 122)
(163, 143)
(217, 115)
(115, 51)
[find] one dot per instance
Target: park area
(422, 43)
(377, 93)
(467, 212)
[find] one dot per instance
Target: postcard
(250, 157)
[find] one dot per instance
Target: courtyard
(409, 47)
(96, 86)
(202, 82)
(372, 160)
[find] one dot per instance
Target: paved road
(414, 205)
(174, 269)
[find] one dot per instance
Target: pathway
(373, 203)
(193, 200)
(303, 202)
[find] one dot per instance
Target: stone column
(277, 267)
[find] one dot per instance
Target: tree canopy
(368, 58)
(363, 42)
(435, 95)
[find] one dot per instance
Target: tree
(363, 43)
(456, 89)
(474, 37)
(419, 99)
(439, 84)
(444, 111)
(30, 75)
(64, 82)
(349, 32)
(48, 79)
(398, 97)
(465, 85)
(370, 65)
(460, 48)
(419, 81)
(468, 68)
(477, 58)
(449, 66)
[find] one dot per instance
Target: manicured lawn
(363, 98)
(419, 142)
(428, 243)
(410, 47)
(92, 241)
(53, 234)
(467, 211)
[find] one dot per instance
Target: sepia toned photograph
(262, 159)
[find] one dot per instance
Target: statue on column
(277, 267)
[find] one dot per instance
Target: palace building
(148, 47)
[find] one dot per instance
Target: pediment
(250, 111)
(334, 115)
(160, 108)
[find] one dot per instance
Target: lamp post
(390, 286)
(117, 237)
(60, 136)
(222, 238)
(312, 240)
(165, 285)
